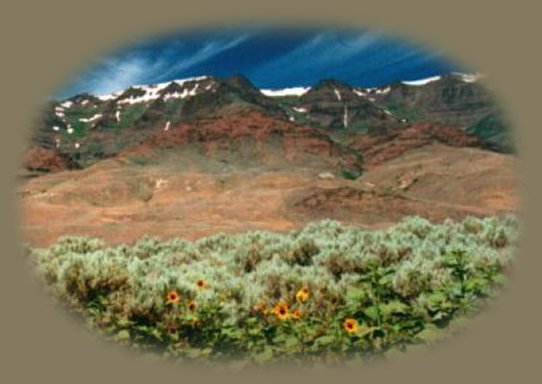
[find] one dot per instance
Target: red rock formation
(42, 159)
(379, 148)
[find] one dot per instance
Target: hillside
(87, 128)
(198, 156)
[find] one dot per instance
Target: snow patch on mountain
(468, 77)
(372, 91)
(294, 91)
(91, 119)
(360, 93)
(152, 91)
(424, 81)
(110, 96)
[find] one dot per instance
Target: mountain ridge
(87, 128)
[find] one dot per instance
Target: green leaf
(436, 298)
(355, 295)
(393, 307)
(123, 323)
(364, 331)
(122, 335)
(325, 340)
(156, 333)
(372, 312)
(430, 333)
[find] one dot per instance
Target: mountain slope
(494, 131)
(243, 137)
(87, 128)
(449, 99)
(333, 104)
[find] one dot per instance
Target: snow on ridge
(364, 92)
(294, 91)
(197, 78)
(424, 81)
(299, 109)
(151, 90)
(338, 94)
(360, 93)
(468, 77)
(110, 96)
(91, 119)
(381, 90)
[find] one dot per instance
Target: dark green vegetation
(325, 293)
(494, 130)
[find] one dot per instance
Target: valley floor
(120, 201)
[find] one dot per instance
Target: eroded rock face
(334, 105)
(46, 160)
(378, 148)
(269, 140)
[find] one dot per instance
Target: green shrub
(349, 174)
(390, 286)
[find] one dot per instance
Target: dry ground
(120, 201)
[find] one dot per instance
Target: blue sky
(270, 58)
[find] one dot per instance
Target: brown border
(45, 43)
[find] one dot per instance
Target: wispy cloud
(325, 50)
(209, 50)
(268, 58)
(151, 65)
(115, 74)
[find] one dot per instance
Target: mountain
(243, 138)
(333, 104)
(203, 155)
(494, 131)
(86, 128)
(377, 149)
(452, 99)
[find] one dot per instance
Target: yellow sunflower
(296, 314)
(191, 305)
(350, 325)
(172, 297)
(201, 283)
(282, 311)
(302, 294)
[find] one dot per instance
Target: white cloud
(322, 51)
(206, 52)
(118, 73)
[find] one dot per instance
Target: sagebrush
(324, 293)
